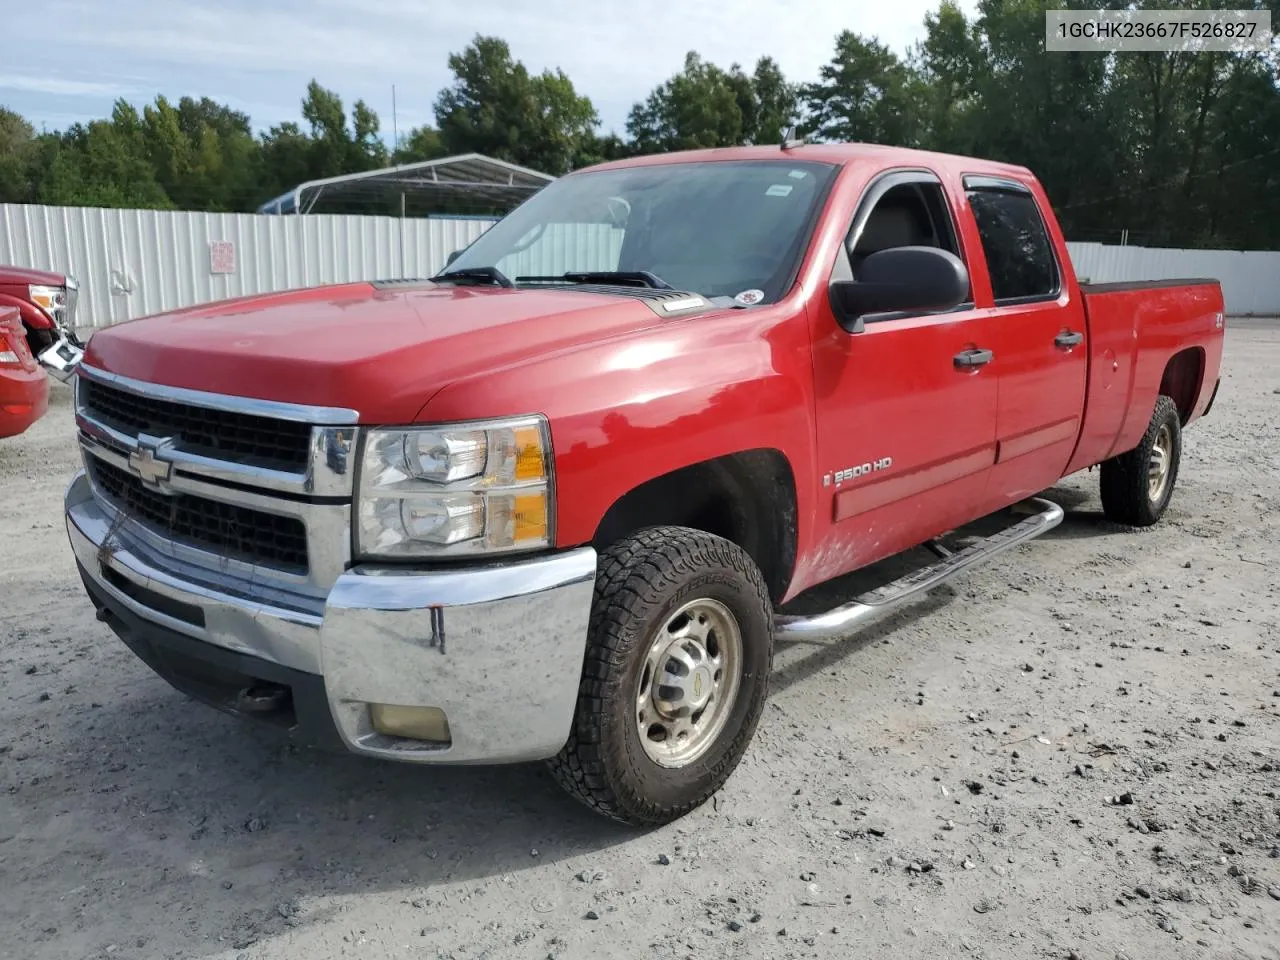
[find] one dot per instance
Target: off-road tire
(640, 582)
(1126, 497)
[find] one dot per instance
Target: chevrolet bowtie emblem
(148, 467)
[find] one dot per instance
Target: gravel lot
(1074, 752)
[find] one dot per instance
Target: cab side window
(908, 215)
(1019, 255)
(911, 214)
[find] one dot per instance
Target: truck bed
(1146, 337)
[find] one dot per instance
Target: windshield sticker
(749, 297)
(779, 190)
(797, 174)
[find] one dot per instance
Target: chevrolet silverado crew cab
(553, 504)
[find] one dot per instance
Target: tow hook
(263, 698)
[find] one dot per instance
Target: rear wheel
(1137, 486)
(675, 679)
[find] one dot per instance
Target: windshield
(719, 228)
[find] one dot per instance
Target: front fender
(32, 316)
(627, 410)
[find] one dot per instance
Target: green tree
(285, 158)
(495, 107)
(706, 106)
(775, 100)
(695, 108)
(336, 146)
(104, 163)
(19, 153)
(421, 143)
(951, 64)
(597, 149)
(865, 94)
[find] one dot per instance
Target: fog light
(416, 723)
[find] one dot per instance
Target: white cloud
(59, 87)
(262, 52)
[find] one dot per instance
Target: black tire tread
(1123, 479)
(655, 560)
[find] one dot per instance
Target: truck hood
(25, 275)
(383, 351)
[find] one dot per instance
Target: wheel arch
(1182, 379)
(747, 497)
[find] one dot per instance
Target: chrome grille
(253, 536)
(220, 434)
(228, 489)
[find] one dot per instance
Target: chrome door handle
(1068, 340)
(967, 359)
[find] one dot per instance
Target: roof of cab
(839, 154)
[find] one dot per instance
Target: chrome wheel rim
(688, 683)
(1158, 468)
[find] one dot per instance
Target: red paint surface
(631, 396)
(15, 283)
(24, 388)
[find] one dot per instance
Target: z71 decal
(852, 473)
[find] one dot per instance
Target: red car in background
(46, 304)
(24, 386)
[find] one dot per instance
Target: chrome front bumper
(498, 648)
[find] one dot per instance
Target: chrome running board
(878, 603)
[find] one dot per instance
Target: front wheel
(675, 678)
(1137, 486)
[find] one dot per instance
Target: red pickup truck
(554, 502)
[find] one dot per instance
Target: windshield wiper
(626, 278)
(491, 275)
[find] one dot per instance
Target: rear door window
(1020, 257)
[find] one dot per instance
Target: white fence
(131, 263)
(1250, 278)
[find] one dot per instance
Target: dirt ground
(1073, 752)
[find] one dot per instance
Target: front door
(1042, 353)
(906, 408)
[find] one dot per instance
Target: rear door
(1040, 333)
(906, 407)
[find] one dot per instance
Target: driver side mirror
(897, 280)
(452, 257)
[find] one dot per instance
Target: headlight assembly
(462, 489)
(52, 300)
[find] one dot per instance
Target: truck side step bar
(876, 604)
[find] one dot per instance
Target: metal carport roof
(469, 180)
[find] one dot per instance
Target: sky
(258, 55)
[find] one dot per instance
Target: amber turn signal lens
(529, 461)
(530, 518)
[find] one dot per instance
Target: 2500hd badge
(852, 473)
